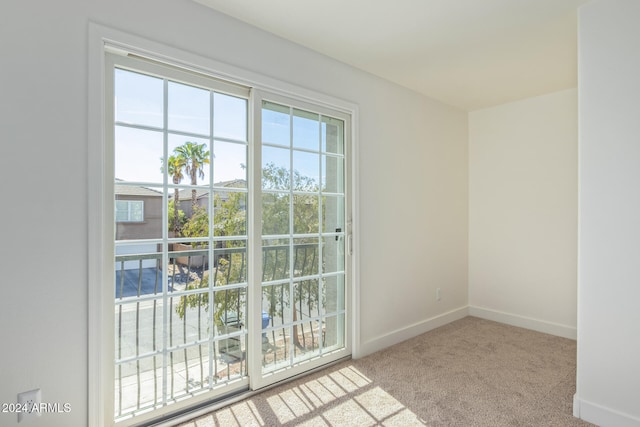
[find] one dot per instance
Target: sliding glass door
(180, 150)
(303, 236)
(230, 222)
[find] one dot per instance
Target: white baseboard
(403, 334)
(602, 416)
(524, 322)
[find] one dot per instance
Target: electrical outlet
(27, 400)
(438, 296)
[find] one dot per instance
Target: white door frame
(100, 244)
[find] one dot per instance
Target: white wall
(412, 172)
(523, 213)
(608, 381)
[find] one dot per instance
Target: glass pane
(275, 303)
(230, 213)
(333, 254)
(275, 214)
(188, 318)
(198, 362)
(122, 210)
(333, 294)
(230, 358)
(332, 214)
(188, 108)
(196, 219)
(229, 117)
(138, 328)
(230, 164)
(137, 270)
(305, 213)
(138, 384)
(275, 169)
(276, 121)
(275, 260)
(126, 210)
(138, 212)
(230, 323)
(306, 340)
(305, 300)
(184, 373)
(187, 267)
(139, 99)
(305, 257)
(193, 207)
(230, 262)
(306, 130)
(332, 135)
(175, 217)
(334, 332)
(332, 174)
(188, 160)
(230, 310)
(275, 354)
(138, 155)
(306, 173)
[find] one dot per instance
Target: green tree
(275, 205)
(187, 159)
(173, 214)
(195, 157)
(230, 214)
(197, 225)
(230, 220)
(175, 165)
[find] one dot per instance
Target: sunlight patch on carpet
(369, 405)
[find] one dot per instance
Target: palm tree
(195, 156)
(176, 163)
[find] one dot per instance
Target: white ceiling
(467, 53)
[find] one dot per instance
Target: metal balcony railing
(188, 335)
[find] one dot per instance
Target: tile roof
(134, 190)
(184, 194)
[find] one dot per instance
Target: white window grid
(340, 313)
(171, 347)
(319, 318)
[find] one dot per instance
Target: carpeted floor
(472, 372)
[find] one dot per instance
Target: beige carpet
(472, 372)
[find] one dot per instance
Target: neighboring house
(202, 195)
(138, 212)
(138, 215)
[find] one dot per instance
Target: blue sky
(138, 151)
